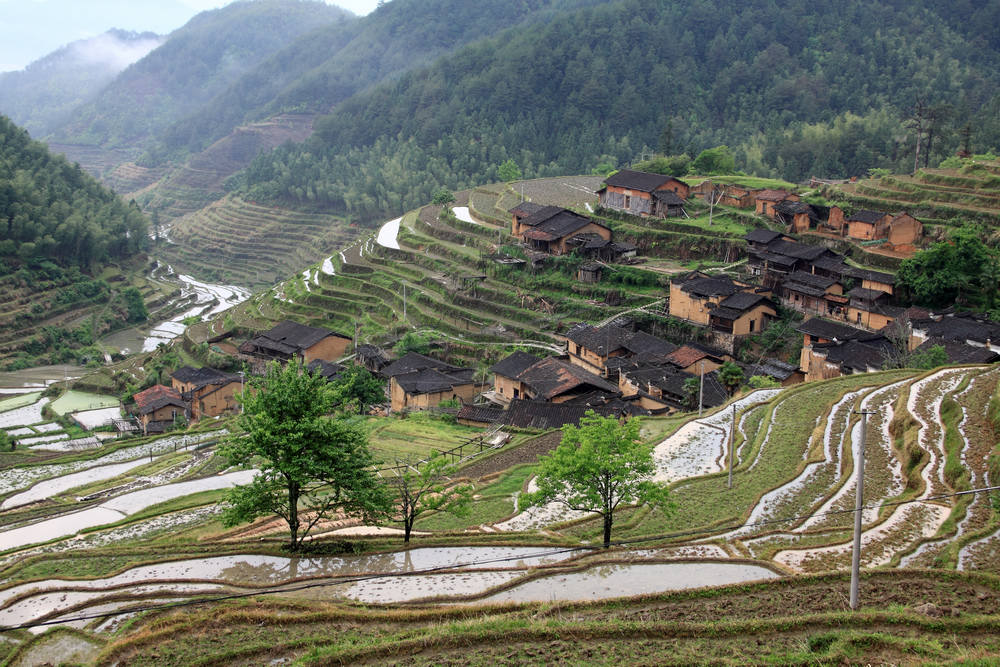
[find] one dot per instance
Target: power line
(455, 566)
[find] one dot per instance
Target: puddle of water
(610, 581)
(51, 487)
(387, 234)
(387, 590)
(40, 376)
(59, 649)
(91, 419)
(115, 509)
(462, 213)
(29, 414)
(73, 400)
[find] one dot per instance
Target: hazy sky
(31, 29)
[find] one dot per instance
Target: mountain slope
(43, 95)
(795, 91)
(196, 62)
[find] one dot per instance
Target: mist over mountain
(194, 64)
(42, 96)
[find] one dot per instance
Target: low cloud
(113, 51)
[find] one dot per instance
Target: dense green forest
(44, 95)
(52, 209)
(198, 61)
(332, 63)
(796, 90)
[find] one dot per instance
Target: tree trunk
(407, 527)
(608, 518)
(293, 516)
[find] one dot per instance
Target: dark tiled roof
(156, 397)
(796, 250)
(859, 354)
(551, 377)
(327, 369)
(525, 208)
(775, 368)
(514, 365)
(431, 381)
(794, 208)
(411, 361)
(776, 259)
(485, 414)
(865, 294)
(641, 343)
(553, 223)
(724, 313)
(201, 377)
(764, 236)
(710, 286)
(541, 415)
(298, 336)
(864, 215)
(811, 279)
(638, 180)
(831, 264)
(373, 355)
(671, 381)
(866, 274)
(961, 353)
(962, 327)
(743, 301)
(669, 197)
(604, 339)
(817, 327)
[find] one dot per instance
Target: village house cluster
(852, 322)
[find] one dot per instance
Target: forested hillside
(197, 62)
(71, 257)
(52, 209)
(327, 66)
(795, 90)
(44, 94)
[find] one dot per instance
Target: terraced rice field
(789, 513)
(238, 242)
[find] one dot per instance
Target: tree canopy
(961, 270)
(426, 487)
(598, 467)
(310, 466)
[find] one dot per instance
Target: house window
(628, 202)
(517, 393)
(751, 325)
(859, 318)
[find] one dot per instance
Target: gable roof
(797, 250)
(961, 327)
(764, 236)
(411, 361)
(817, 327)
(156, 397)
(554, 222)
(710, 286)
(860, 354)
(780, 370)
(671, 380)
(868, 274)
(523, 413)
(551, 377)
(327, 369)
(201, 377)
(794, 208)
(639, 180)
(514, 365)
(432, 381)
(668, 197)
(288, 338)
(525, 209)
(959, 352)
(866, 216)
(744, 301)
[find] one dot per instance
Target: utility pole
(858, 504)
(404, 304)
(701, 388)
(732, 439)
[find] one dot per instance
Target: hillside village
(499, 333)
(847, 317)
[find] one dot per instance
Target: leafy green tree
(135, 305)
(426, 487)
(691, 393)
(933, 357)
(509, 171)
(412, 342)
(310, 465)
(443, 196)
(731, 376)
(952, 271)
(355, 389)
(763, 382)
(718, 160)
(598, 467)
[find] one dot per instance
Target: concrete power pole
(858, 504)
(732, 440)
(701, 388)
